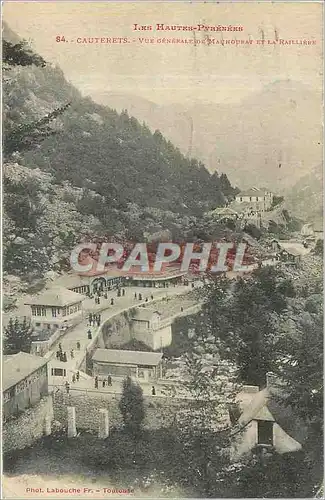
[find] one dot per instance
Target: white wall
(248, 439)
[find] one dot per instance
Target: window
(54, 312)
(256, 198)
(39, 311)
(265, 432)
(241, 198)
(58, 372)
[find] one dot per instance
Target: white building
(259, 199)
(267, 422)
(147, 327)
(56, 308)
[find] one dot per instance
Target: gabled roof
(56, 296)
(17, 367)
(254, 191)
(294, 248)
(135, 358)
(267, 405)
(70, 280)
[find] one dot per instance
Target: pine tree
(25, 136)
(17, 336)
(132, 407)
(20, 54)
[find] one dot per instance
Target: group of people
(94, 319)
(62, 356)
(104, 381)
(138, 296)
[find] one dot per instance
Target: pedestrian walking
(60, 347)
(123, 292)
(99, 318)
(151, 296)
(153, 391)
(96, 382)
(112, 301)
(140, 296)
(109, 380)
(135, 295)
(72, 354)
(89, 335)
(104, 382)
(146, 299)
(105, 295)
(67, 387)
(78, 346)
(119, 292)
(58, 354)
(182, 309)
(77, 376)
(65, 359)
(73, 378)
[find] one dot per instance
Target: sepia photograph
(162, 249)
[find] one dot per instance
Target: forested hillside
(87, 170)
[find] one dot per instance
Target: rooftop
(17, 367)
(254, 191)
(70, 280)
(134, 358)
(267, 405)
(294, 248)
(56, 296)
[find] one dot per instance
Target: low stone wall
(159, 410)
(32, 424)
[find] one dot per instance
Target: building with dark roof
(24, 382)
(121, 363)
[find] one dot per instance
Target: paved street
(79, 333)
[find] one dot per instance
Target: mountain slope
(272, 138)
(305, 198)
(97, 174)
(110, 153)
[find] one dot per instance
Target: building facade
(24, 382)
(120, 363)
(56, 308)
(147, 327)
(264, 421)
(259, 199)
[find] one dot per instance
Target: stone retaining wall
(31, 425)
(159, 410)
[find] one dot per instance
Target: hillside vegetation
(76, 169)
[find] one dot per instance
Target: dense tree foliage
(132, 407)
(17, 336)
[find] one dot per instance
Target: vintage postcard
(162, 257)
